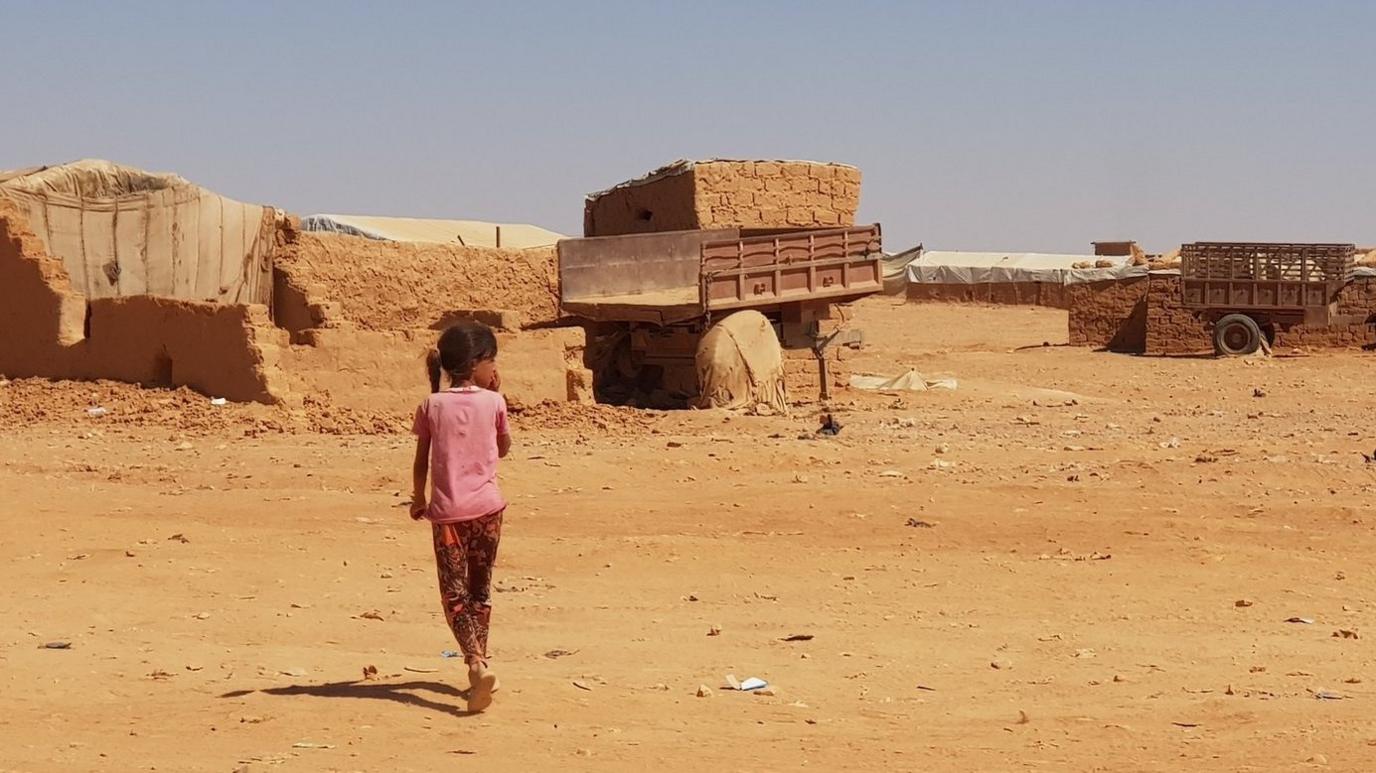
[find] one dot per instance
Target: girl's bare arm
(503, 446)
(420, 469)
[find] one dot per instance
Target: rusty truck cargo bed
(663, 278)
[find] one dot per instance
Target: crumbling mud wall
(1047, 294)
(325, 280)
(761, 195)
(51, 331)
(385, 370)
(1109, 315)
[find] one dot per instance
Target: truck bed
(664, 278)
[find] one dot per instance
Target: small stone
(1001, 665)
(704, 691)
(1317, 759)
(1242, 603)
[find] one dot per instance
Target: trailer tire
(1236, 335)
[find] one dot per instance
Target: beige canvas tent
(122, 231)
(469, 233)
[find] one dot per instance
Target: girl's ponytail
(432, 368)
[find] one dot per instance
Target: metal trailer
(1250, 289)
(657, 293)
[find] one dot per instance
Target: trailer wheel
(1236, 334)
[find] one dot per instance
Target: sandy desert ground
(1074, 561)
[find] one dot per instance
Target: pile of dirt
(392, 285)
(582, 416)
(107, 404)
(114, 404)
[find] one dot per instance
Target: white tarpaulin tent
(122, 231)
(968, 268)
(470, 233)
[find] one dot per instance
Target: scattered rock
(1345, 633)
(582, 685)
(1001, 665)
(916, 523)
(714, 631)
(555, 654)
(704, 691)
(1242, 603)
(371, 614)
(56, 645)
(369, 672)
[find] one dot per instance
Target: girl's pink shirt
(462, 425)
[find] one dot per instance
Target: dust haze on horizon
(978, 125)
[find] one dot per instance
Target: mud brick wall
(1110, 314)
(327, 280)
(1171, 328)
(728, 194)
(1002, 293)
(1357, 299)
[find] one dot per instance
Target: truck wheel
(1236, 334)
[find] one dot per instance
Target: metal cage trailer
(1250, 289)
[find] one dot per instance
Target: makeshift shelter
(468, 233)
(1009, 277)
(122, 231)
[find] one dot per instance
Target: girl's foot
(496, 685)
(483, 682)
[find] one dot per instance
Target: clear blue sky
(978, 125)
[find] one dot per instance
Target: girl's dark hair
(461, 346)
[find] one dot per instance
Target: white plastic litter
(912, 381)
(96, 412)
(218, 401)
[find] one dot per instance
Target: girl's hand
(418, 508)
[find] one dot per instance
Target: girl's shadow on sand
(399, 692)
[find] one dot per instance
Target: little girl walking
(461, 432)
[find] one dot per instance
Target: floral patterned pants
(465, 553)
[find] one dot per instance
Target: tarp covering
(122, 231)
(471, 233)
(938, 267)
(895, 268)
(740, 364)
